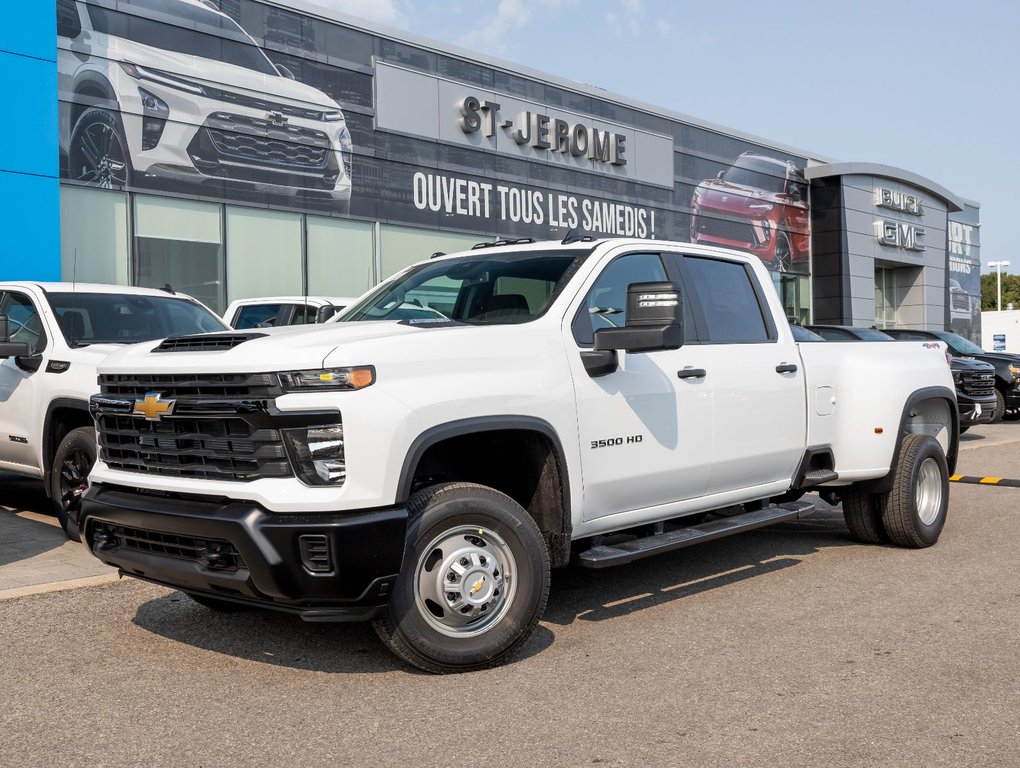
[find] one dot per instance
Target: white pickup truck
(52, 336)
(586, 401)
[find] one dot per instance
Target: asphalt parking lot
(790, 646)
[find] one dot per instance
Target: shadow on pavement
(592, 595)
(22, 538)
(24, 494)
(576, 594)
(284, 640)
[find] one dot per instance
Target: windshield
(756, 173)
(111, 318)
(188, 28)
(960, 344)
(494, 289)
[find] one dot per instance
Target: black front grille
(725, 229)
(212, 553)
(206, 342)
(220, 448)
(977, 384)
(219, 426)
(243, 386)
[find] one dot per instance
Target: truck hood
(288, 348)
(999, 357)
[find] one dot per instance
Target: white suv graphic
(182, 93)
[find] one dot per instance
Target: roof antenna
(167, 288)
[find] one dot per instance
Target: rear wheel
(914, 512)
(473, 584)
(863, 516)
(69, 477)
(783, 260)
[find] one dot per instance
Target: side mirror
(655, 320)
(719, 175)
(325, 312)
(10, 348)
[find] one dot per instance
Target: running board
(605, 555)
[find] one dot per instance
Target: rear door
(753, 372)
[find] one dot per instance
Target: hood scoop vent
(206, 342)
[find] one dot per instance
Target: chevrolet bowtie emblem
(477, 586)
(152, 407)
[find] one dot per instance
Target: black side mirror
(655, 320)
(10, 348)
(325, 312)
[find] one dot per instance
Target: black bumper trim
(367, 547)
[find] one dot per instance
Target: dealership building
(236, 148)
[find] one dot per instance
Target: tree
(1010, 291)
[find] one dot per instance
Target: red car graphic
(758, 204)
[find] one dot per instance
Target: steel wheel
(464, 581)
(929, 491)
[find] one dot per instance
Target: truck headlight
(1015, 371)
(328, 379)
(317, 454)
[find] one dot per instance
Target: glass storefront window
(340, 256)
(885, 298)
(180, 243)
(403, 246)
(264, 250)
(795, 294)
(94, 236)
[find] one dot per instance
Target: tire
(783, 259)
(215, 604)
(69, 477)
(98, 152)
(914, 512)
(863, 516)
(464, 538)
(1000, 407)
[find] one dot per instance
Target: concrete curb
(58, 586)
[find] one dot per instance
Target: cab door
(755, 375)
(644, 441)
(20, 423)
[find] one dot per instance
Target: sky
(932, 87)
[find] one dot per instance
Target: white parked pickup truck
(593, 401)
(52, 336)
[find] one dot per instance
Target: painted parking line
(1007, 482)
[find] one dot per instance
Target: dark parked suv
(1007, 366)
(974, 380)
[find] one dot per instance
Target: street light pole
(998, 265)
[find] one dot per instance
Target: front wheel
(783, 260)
(473, 584)
(914, 511)
(1000, 407)
(98, 151)
(69, 477)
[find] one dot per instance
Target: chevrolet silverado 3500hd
(585, 400)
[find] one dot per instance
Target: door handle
(786, 368)
(691, 373)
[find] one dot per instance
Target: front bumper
(238, 551)
(975, 410)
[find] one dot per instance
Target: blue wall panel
(30, 28)
(29, 151)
